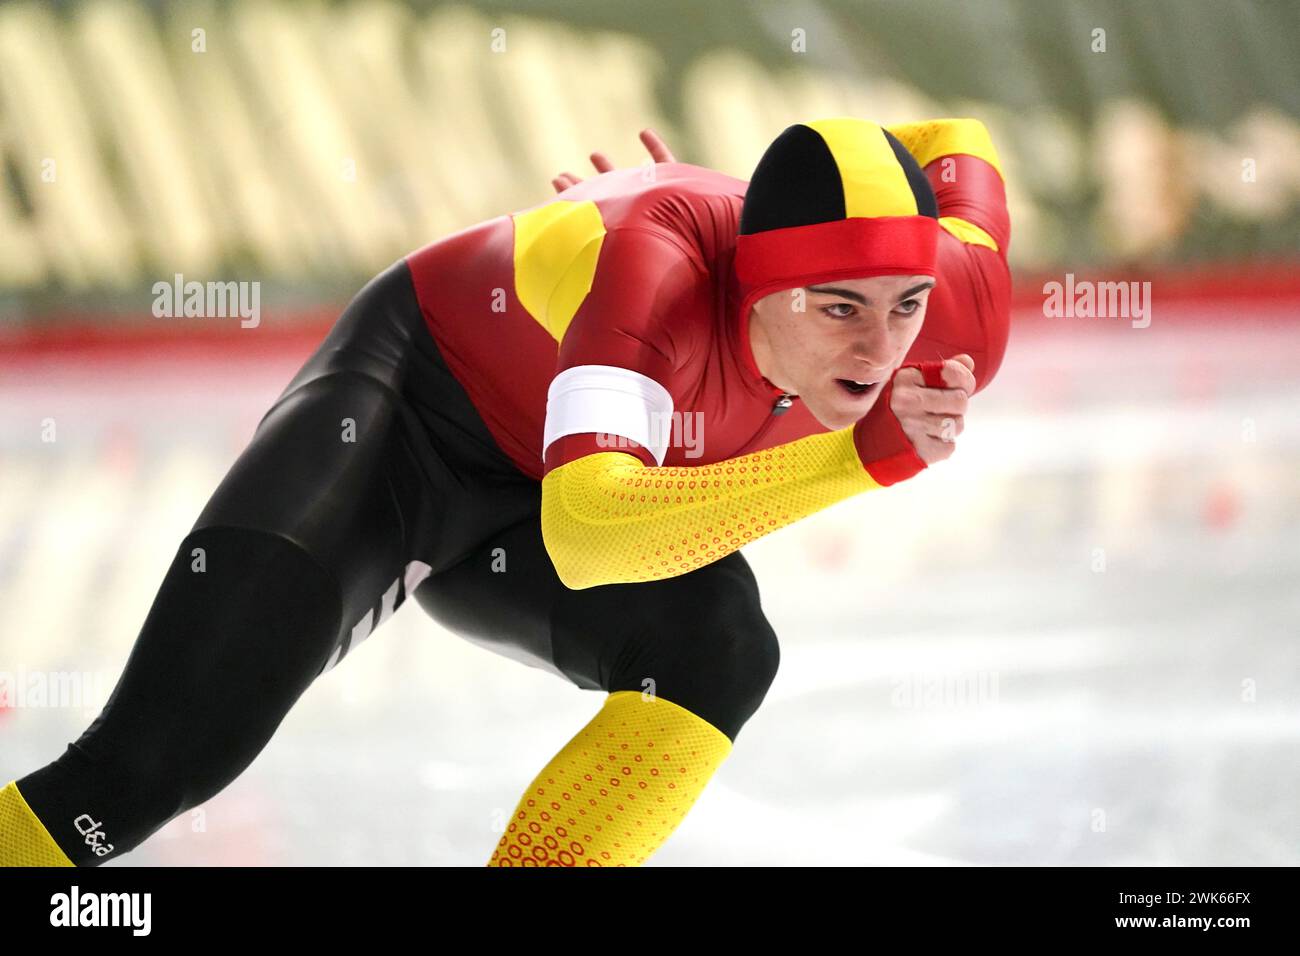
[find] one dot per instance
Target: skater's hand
(657, 148)
(916, 420)
(932, 418)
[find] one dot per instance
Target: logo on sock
(96, 838)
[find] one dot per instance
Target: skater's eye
(839, 305)
(902, 307)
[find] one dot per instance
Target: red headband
(841, 248)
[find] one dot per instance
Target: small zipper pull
(783, 404)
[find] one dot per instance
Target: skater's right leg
(370, 472)
(243, 621)
(300, 551)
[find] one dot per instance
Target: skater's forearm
(607, 518)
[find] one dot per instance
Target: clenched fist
(932, 418)
(916, 419)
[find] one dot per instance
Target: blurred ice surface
(1073, 643)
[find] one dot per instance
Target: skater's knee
(721, 628)
(711, 651)
(736, 654)
(243, 624)
(248, 598)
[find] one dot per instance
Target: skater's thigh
(325, 471)
(700, 639)
(501, 594)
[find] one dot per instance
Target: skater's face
(818, 341)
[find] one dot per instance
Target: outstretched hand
(658, 149)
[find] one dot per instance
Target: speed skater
(617, 389)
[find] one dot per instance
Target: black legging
(371, 474)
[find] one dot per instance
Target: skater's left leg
(615, 792)
(685, 663)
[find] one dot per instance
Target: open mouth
(857, 388)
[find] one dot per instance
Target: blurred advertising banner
(310, 144)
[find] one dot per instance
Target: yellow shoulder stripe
(556, 249)
(968, 232)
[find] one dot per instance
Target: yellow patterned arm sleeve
(607, 518)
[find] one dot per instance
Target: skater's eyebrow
(858, 297)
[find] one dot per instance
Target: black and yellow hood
(834, 199)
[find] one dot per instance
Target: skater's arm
(970, 307)
(609, 518)
(964, 170)
(611, 512)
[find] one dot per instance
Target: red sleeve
(617, 355)
(969, 188)
(970, 307)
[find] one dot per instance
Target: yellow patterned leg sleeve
(617, 790)
(24, 841)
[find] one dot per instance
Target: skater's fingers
(959, 372)
(659, 150)
(940, 401)
(564, 181)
